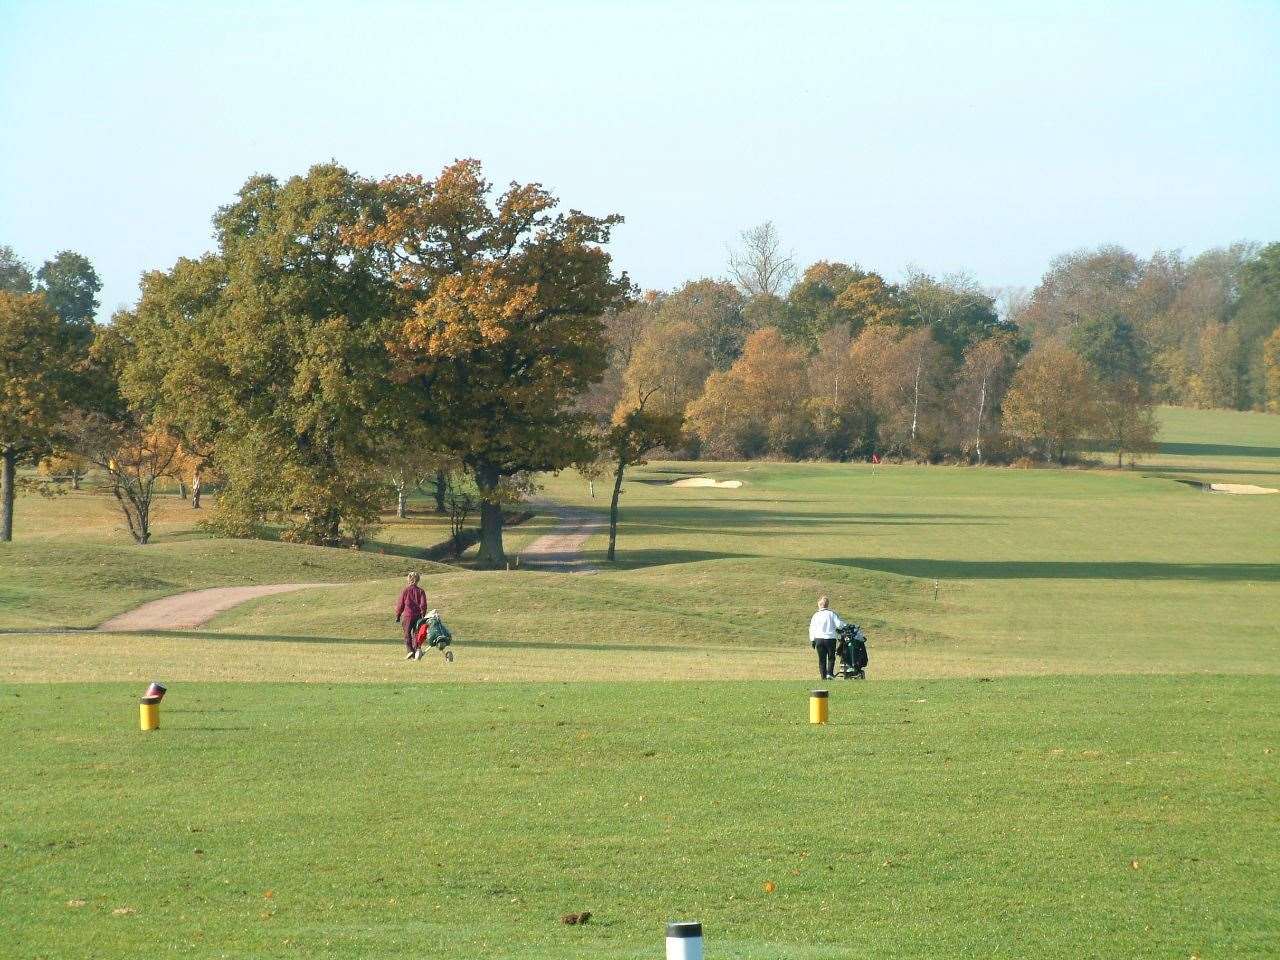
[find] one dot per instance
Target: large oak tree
(270, 355)
(499, 331)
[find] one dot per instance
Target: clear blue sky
(985, 137)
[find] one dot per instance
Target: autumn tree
(954, 309)
(1271, 364)
(765, 310)
(1221, 377)
(812, 305)
(498, 332)
(758, 265)
(1126, 419)
(37, 366)
(624, 330)
(1119, 362)
(134, 455)
(1079, 285)
(1051, 403)
(65, 465)
(839, 400)
(759, 404)
(271, 353)
(634, 433)
(696, 330)
(712, 313)
(868, 301)
(983, 379)
(885, 374)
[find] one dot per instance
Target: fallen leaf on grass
(76, 903)
(123, 911)
(1133, 864)
(770, 886)
(268, 894)
(576, 919)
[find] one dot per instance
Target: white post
(684, 941)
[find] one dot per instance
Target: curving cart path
(183, 611)
(561, 549)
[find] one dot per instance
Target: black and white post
(684, 941)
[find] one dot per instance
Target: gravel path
(184, 611)
(561, 549)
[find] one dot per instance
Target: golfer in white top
(823, 631)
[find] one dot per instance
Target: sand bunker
(707, 482)
(1247, 488)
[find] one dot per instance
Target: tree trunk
(492, 554)
(75, 479)
(982, 405)
(613, 507)
(442, 484)
(402, 498)
(915, 403)
(182, 489)
(195, 492)
(8, 477)
(144, 514)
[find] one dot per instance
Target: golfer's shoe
(417, 654)
(448, 655)
(410, 655)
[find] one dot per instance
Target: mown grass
(1051, 817)
(1067, 748)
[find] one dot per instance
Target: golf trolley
(431, 632)
(851, 649)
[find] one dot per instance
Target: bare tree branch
(759, 266)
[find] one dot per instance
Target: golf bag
(851, 648)
(430, 631)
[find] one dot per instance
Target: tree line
(350, 339)
(843, 364)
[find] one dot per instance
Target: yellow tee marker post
(149, 713)
(818, 706)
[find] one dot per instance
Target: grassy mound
(75, 568)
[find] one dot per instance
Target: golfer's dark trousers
(826, 657)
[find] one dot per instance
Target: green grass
(72, 564)
(1051, 817)
(1068, 746)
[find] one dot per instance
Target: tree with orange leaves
(500, 330)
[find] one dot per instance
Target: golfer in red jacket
(411, 606)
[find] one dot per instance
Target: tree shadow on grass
(1208, 470)
(1063, 569)
(718, 518)
(636, 559)
(384, 547)
(1217, 450)
(396, 643)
